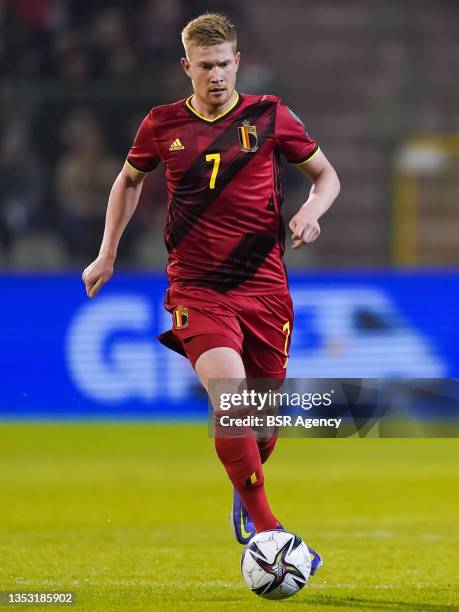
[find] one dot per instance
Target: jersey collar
(233, 106)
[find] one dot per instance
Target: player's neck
(210, 112)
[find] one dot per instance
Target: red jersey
(224, 228)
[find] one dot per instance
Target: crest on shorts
(181, 317)
(248, 137)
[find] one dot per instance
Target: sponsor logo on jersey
(181, 317)
(248, 137)
(176, 145)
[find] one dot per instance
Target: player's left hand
(305, 227)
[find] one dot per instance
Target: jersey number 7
(215, 157)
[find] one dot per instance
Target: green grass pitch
(134, 517)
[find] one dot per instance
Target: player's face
(212, 71)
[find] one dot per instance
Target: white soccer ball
(276, 564)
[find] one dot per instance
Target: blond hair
(207, 30)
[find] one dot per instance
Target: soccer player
(228, 293)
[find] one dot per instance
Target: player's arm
(325, 188)
(123, 200)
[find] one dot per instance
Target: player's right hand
(97, 274)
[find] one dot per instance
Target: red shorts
(257, 327)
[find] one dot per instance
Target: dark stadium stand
(365, 77)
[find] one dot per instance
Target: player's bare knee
(219, 363)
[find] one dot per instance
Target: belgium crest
(181, 317)
(248, 137)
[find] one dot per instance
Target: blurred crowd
(76, 80)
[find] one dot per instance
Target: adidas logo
(176, 145)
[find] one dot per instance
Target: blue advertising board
(63, 355)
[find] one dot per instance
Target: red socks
(266, 447)
(242, 457)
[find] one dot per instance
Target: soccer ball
(276, 564)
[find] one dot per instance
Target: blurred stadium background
(375, 83)
(132, 515)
